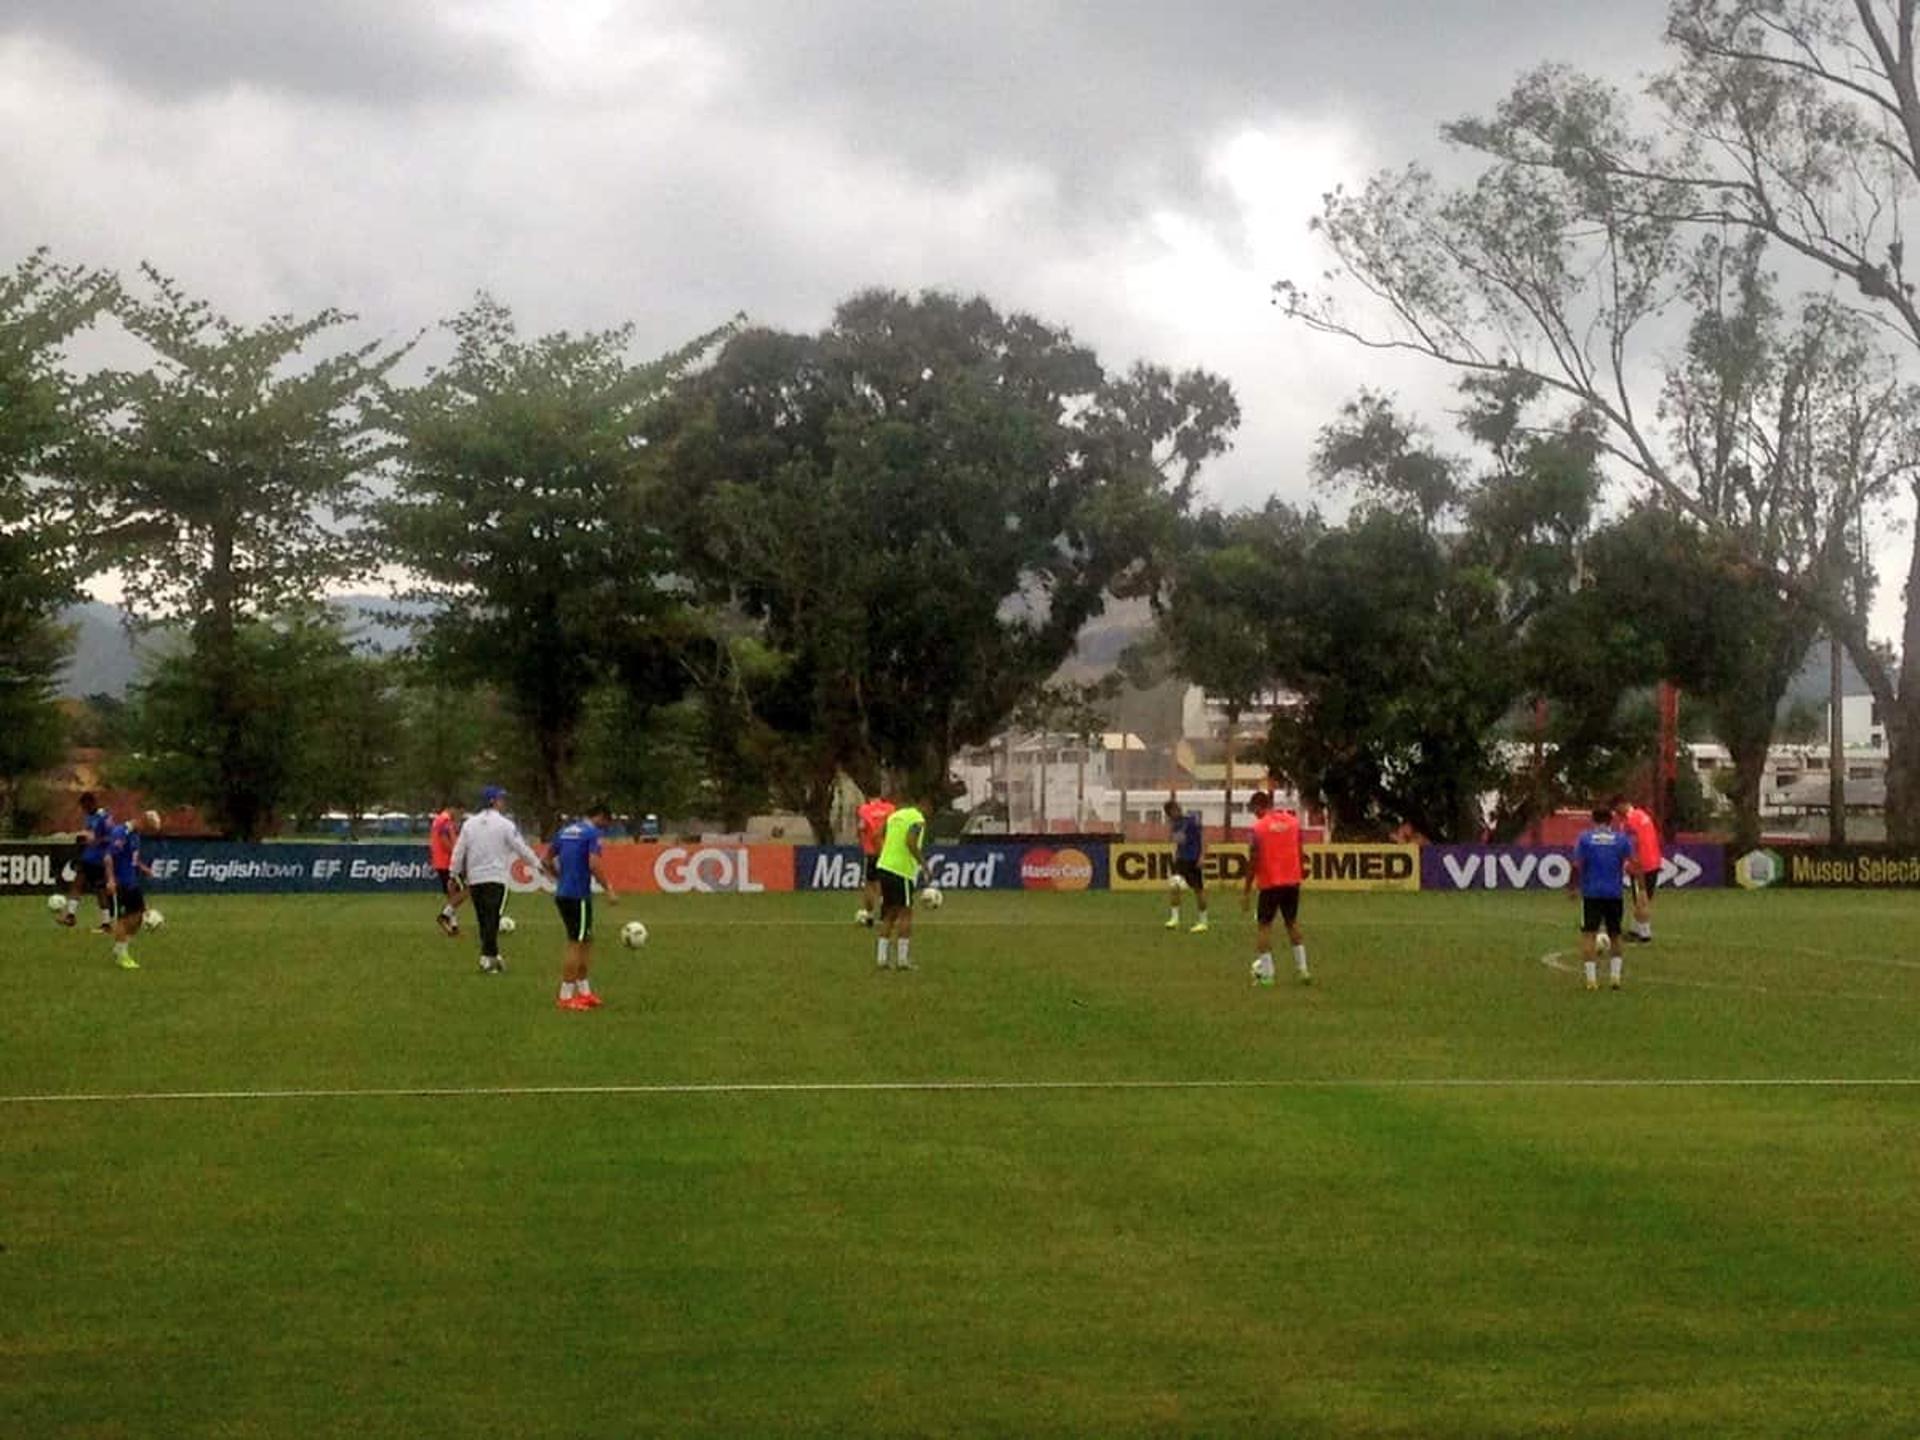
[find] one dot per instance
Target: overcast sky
(1138, 172)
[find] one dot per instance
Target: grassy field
(1074, 1176)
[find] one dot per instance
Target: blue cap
(491, 794)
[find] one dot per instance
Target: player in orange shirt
(1646, 858)
(873, 828)
(442, 832)
(1277, 868)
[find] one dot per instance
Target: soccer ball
(153, 920)
(152, 819)
(932, 898)
(508, 925)
(1176, 883)
(633, 934)
(1602, 942)
(56, 903)
(863, 916)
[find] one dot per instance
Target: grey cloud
(361, 50)
(1110, 98)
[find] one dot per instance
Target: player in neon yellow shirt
(901, 851)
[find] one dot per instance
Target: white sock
(1614, 968)
(880, 952)
(119, 949)
(583, 986)
(1174, 915)
(901, 950)
(1593, 973)
(1263, 965)
(566, 990)
(1300, 958)
(73, 906)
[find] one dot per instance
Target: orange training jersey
(873, 823)
(1276, 850)
(440, 838)
(1646, 840)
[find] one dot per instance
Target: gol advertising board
(1329, 867)
(1540, 867)
(699, 869)
(973, 866)
(1829, 867)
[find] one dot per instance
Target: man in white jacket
(484, 855)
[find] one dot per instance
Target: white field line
(887, 1087)
(1568, 963)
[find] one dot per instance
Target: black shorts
(896, 891)
(1649, 882)
(1281, 899)
(128, 902)
(1189, 871)
(1601, 914)
(873, 869)
(577, 916)
(93, 876)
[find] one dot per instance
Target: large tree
(527, 507)
(1408, 634)
(42, 304)
(922, 505)
(1794, 122)
(221, 483)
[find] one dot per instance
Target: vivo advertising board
(1536, 867)
(973, 866)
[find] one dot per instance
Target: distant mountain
(107, 658)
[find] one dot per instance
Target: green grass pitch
(1074, 1176)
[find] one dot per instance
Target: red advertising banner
(699, 869)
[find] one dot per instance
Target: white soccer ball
(862, 916)
(508, 925)
(153, 920)
(1176, 883)
(56, 903)
(1602, 941)
(633, 934)
(932, 898)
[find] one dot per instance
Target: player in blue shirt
(1189, 849)
(128, 903)
(90, 876)
(573, 859)
(1602, 861)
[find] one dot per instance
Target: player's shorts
(873, 869)
(1601, 914)
(1283, 900)
(93, 876)
(1650, 881)
(128, 902)
(577, 916)
(1189, 871)
(896, 891)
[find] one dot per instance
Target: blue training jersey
(574, 846)
(1603, 855)
(99, 832)
(1188, 839)
(123, 853)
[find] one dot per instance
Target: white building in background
(1027, 782)
(1797, 780)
